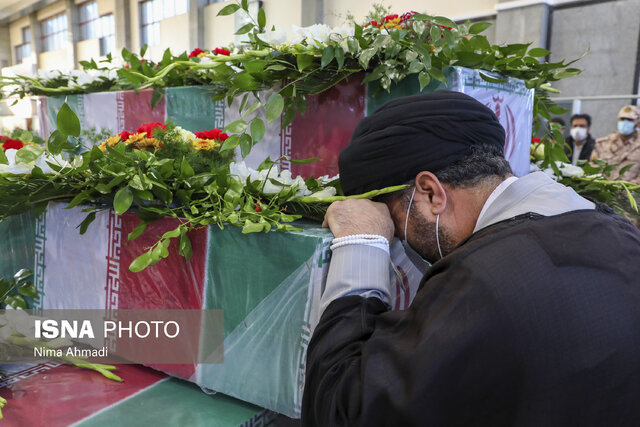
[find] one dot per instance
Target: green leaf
(339, 57)
(156, 96)
(186, 171)
(262, 18)
(237, 126)
(122, 200)
(445, 22)
(274, 107)
(538, 52)
(305, 161)
(276, 67)
(142, 225)
(229, 10)
(143, 50)
(231, 143)
(3, 158)
(303, 61)
(244, 29)
(172, 233)
(251, 227)
(415, 66)
(184, 244)
(258, 129)
(140, 263)
(28, 153)
(569, 72)
(255, 66)
(253, 108)
(22, 274)
(366, 56)
(16, 301)
(86, 222)
(327, 56)
(488, 78)
(79, 198)
(245, 144)
(437, 74)
(28, 290)
(423, 79)
(57, 142)
(470, 57)
(245, 81)
(479, 27)
(67, 121)
(245, 5)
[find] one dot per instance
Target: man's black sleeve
(447, 359)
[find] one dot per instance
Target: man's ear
(430, 190)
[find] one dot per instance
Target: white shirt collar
(499, 189)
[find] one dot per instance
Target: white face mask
(414, 256)
(579, 134)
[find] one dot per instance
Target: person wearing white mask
(622, 147)
(580, 141)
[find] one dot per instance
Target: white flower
(325, 192)
(48, 74)
(186, 135)
(43, 162)
(242, 172)
(274, 38)
(13, 167)
(569, 170)
(315, 35)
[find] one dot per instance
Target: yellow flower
(111, 141)
(201, 55)
(143, 143)
(205, 144)
(135, 137)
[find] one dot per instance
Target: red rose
(195, 52)
(374, 23)
(212, 134)
(535, 139)
(390, 17)
(12, 143)
(124, 135)
(222, 51)
(150, 127)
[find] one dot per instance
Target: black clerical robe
(531, 321)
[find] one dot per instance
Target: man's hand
(359, 216)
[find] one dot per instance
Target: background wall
(611, 31)
(610, 28)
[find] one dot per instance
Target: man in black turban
(529, 315)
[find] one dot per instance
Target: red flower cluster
(536, 140)
(150, 127)
(124, 135)
(215, 134)
(221, 51)
(195, 52)
(394, 20)
(10, 143)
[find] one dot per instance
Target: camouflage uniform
(623, 150)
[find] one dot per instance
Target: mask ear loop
(406, 221)
(438, 235)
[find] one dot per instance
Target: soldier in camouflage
(623, 146)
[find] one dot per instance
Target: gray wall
(611, 30)
(5, 47)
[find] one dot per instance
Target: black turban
(413, 134)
